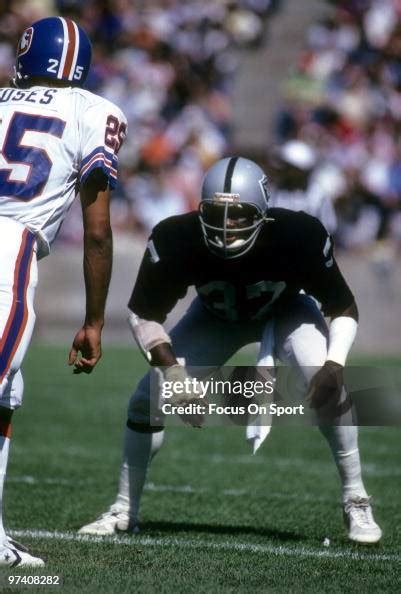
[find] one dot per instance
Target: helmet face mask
(230, 230)
(53, 49)
(233, 206)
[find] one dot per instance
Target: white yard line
(308, 466)
(162, 488)
(145, 541)
(28, 479)
(185, 489)
(158, 488)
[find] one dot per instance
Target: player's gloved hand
(326, 385)
(184, 392)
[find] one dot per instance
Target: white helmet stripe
(65, 48)
(76, 50)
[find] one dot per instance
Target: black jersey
(293, 252)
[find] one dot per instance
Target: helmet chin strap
(16, 79)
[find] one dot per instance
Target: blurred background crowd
(334, 148)
(344, 100)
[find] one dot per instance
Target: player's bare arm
(155, 345)
(163, 356)
(98, 253)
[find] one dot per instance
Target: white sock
(139, 450)
(343, 442)
(4, 449)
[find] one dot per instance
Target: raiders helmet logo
(25, 42)
(264, 184)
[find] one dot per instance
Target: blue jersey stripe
(15, 324)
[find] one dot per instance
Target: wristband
(342, 332)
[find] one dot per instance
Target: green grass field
(215, 518)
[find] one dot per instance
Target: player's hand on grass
(184, 392)
(86, 349)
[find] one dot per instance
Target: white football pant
(18, 280)
(201, 339)
(300, 341)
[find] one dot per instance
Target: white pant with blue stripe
(18, 280)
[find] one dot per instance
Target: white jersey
(51, 139)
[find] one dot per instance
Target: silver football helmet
(233, 206)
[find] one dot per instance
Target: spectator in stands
(351, 115)
(296, 183)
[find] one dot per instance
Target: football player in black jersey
(258, 273)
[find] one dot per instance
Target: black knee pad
(143, 428)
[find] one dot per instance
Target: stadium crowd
(170, 65)
(344, 100)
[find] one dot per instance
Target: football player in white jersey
(56, 140)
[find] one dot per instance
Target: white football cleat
(113, 521)
(358, 518)
(12, 554)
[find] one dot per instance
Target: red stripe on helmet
(72, 40)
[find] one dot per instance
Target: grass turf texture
(214, 517)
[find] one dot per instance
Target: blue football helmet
(53, 48)
(233, 206)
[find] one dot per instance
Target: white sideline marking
(174, 488)
(186, 489)
(161, 488)
(308, 466)
(27, 479)
(199, 544)
(233, 492)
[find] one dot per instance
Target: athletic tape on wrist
(342, 334)
(147, 333)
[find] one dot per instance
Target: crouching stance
(258, 272)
